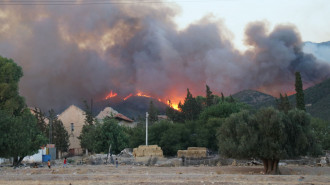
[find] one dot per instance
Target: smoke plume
(71, 53)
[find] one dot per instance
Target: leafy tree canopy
(59, 136)
(269, 135)
(19, 134)
(153, 113)
(222, 110)
(110, 133)
(321, 130)
(300, 100)
(190, 108)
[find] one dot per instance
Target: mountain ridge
(317, 99)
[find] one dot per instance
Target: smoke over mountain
(320, 50)
(71, 53)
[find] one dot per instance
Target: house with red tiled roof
(123, 120)
(73, 119)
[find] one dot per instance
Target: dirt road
(108, 174)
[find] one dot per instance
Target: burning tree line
(219, 123)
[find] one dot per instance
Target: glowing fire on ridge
(173, 105)
(130, 95)
(144, 95)
(170, 103)
(111, 95)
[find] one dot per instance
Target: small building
(73, 119)
(162, 117)
(123, 120)
(108, 111)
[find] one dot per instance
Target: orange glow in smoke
(290, 93)
(144, 95)
(130, 95)
(175, 106)
(173, 103)
(111, 95)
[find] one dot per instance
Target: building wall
(36, 157)
(74, 115)
(127, 124)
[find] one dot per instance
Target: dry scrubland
(127, 174)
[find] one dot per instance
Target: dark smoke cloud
(73, 53)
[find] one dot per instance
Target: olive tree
(269, 135)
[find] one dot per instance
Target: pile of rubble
(127, 152)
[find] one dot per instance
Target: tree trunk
(276, 170)
(264, 162)
(17, 161)
(271, 166)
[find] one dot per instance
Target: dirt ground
(126, 174)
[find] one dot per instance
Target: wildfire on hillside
(144, 95)
(171, 103)
(130, 95)
(111, 95)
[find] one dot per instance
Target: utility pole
(147, 115)
(50, 128)
(91, 106)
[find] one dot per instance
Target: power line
(91, 2)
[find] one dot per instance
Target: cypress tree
(153, 112)
(300, 101)
(231, 99)
(209, 96)
(190, 108)
(222, 97)
(280, 102)
(286, 104)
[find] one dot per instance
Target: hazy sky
(311, 17)
(71, 51)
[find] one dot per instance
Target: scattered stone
(127, 152)
(282, 164)
(323, 161)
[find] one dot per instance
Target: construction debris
(127, 152)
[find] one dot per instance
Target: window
(72, 127)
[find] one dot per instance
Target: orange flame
(170, 103)
(173, 105)
(144, 95)
(111, 95)
(128, 97)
